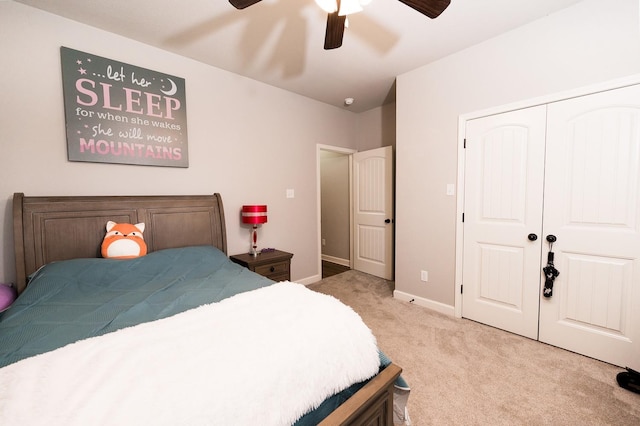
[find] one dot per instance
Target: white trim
(556, 97)
(426, 303)
(336, 260)
(310, 280)
(352, 231)
(462, 124)
(457, 297)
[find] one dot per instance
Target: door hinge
(462, 217)
(461, 288)
(464, 146)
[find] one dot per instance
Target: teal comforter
(75, 299)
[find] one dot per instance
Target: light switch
(451, 189)
(290, 193)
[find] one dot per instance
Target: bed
(125, 326)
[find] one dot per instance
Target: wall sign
(120, 113)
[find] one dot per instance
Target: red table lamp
(254, 215)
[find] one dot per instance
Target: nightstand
(275, 265)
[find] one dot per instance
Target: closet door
(504, 172)
(592, 206)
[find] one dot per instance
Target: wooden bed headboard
(47, 229)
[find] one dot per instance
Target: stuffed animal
(123, 241)
(7, 296)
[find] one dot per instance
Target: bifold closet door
(504, 172)
(592, 206)
(583, 191)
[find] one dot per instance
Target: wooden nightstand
(275, 265)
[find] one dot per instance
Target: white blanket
(264, 357)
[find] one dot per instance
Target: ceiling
(280, 42)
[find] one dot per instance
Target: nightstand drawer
(273, 269)
(275, 265)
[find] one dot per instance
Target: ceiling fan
(337, 16)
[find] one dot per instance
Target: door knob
(551, 238)
(532, 237)
(387, 221)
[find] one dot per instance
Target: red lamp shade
(254, 215)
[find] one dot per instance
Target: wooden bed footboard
(371, 405)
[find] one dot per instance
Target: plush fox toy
(123, 241)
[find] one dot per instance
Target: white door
(503, 205)
(373, 212)
(592, 207)
(590, 204)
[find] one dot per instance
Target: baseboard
(336, 260)
(427, 303)
(309, 280)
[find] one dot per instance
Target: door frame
(349, 152)
(462, 123)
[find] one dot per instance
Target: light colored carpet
(465, 373)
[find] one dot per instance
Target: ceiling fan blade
(241, 4)
(335, 31)
(431, 8)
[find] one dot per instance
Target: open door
(373, 214)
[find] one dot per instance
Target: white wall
(247, 140)
(376, 128)
(588, 43)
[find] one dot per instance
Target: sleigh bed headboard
(47, 229)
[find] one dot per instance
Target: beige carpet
(465, 373)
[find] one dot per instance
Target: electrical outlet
(424, 276)
(324, 242)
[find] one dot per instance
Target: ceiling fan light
(328, 6)
(365, 2)
(347, 7)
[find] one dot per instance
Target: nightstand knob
(272, 269)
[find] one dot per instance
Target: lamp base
(254, 240)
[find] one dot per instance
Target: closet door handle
(551, 238)
(532, 237)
